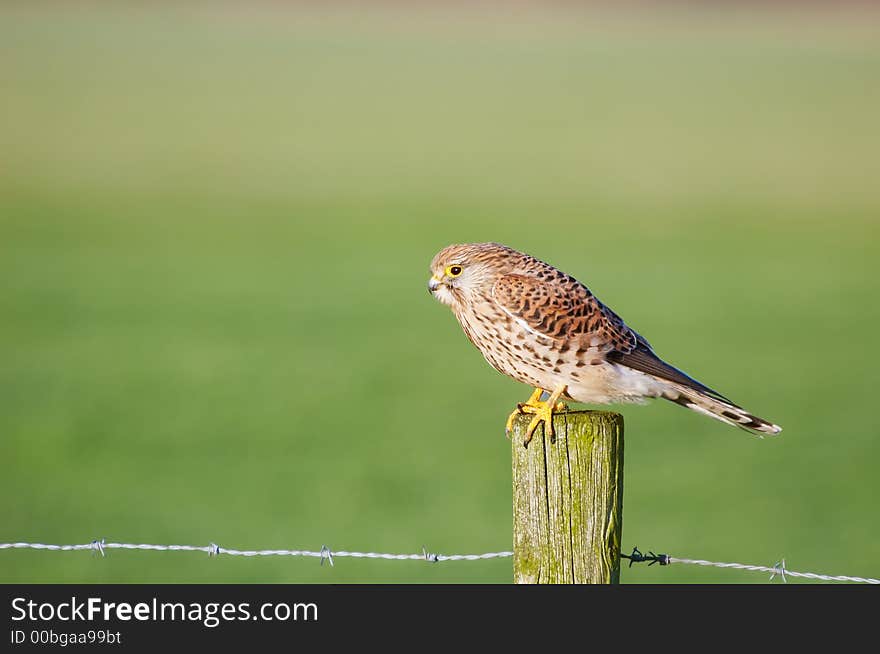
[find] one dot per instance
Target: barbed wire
(326, 554)
(778, 568)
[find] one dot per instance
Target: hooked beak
(433, 285)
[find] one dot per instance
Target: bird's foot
(531, 405)
(542, 411)
(543, 414)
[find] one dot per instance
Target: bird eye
(453, 271)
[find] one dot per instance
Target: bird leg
(541, 410)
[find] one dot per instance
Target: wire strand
(326, 554)
(778, 569)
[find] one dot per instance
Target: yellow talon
(542, 411)
(529, 406)
(509, 424)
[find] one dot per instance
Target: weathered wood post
(568, 500)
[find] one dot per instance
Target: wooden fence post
(568, 500)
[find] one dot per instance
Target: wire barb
(327, 555)
(430, 558)
(638, 557)
(779, 568)
(98, 546)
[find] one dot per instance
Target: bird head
(459, 273)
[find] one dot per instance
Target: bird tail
(720, 409)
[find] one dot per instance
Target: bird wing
(643, 359)
(559, 307)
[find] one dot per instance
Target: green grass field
(215, 230)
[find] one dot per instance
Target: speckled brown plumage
(544, 328)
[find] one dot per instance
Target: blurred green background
(215, 230)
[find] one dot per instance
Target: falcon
(544, 328)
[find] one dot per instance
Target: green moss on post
(568, 500)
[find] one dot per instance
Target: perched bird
(544, 328)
